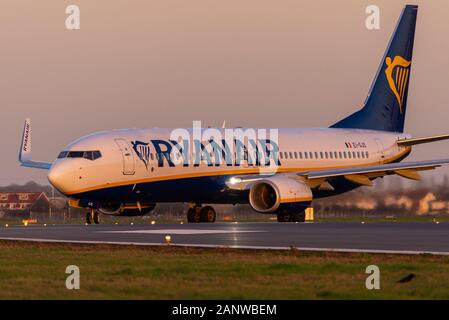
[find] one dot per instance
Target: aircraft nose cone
(61, 176)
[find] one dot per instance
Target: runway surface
(389, 237)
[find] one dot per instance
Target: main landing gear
(196, 213)
(292, 217)
(92, 216)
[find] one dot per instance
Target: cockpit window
(63, 154)
(90, 155)
(75, 154)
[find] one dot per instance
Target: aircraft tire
(208, 214)
(194, 215)
(97, 217)
(88, 217)
(292, 217)
(191, 215)
(284, 217)
(298, 217)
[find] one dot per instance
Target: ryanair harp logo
(142, 149)
(397, 72)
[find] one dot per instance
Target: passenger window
(305, 155)
(344, 154)
(290, 155)
(366, 154)
(326, 155)
(340, 156)
(321, 154)
(316, 155)
(300, 155)
(353, 154)
(281, 155)
(330, 154)
(358, 154)
(296, 155)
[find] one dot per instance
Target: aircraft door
(127, 155)
(380, 147)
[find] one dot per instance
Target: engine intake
(279, 193)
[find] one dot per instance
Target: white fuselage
(299, 150)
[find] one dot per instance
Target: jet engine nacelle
(279, 194)
(126, 210)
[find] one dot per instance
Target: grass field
(37, 271)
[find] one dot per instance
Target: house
(23, 204)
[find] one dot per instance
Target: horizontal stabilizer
(411, 142)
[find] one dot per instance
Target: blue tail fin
(386, 103)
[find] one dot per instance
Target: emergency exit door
(127, 155)
(380, 147)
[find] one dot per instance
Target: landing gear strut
(292, 217)
(196, 213)
(92, 216)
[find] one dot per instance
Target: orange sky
(255, 63)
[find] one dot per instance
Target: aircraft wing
(405, 169)
(25, 157)
(358, 174)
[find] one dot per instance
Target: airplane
(127, 172)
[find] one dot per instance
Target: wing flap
(409, 174)
(359, 179)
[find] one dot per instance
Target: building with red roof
(23, 204)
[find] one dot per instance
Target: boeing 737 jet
(127, 172)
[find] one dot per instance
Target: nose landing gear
(92, 216)
(196, 213)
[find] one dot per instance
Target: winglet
(25, 157)
(25, 148)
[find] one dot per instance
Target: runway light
(167, 239)
(182, 222)
(6, 225)
(25, 224)
(437, 222)
(116, 223)
(153, 222)
(132, 223)
(45, 224)
(363, 222)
